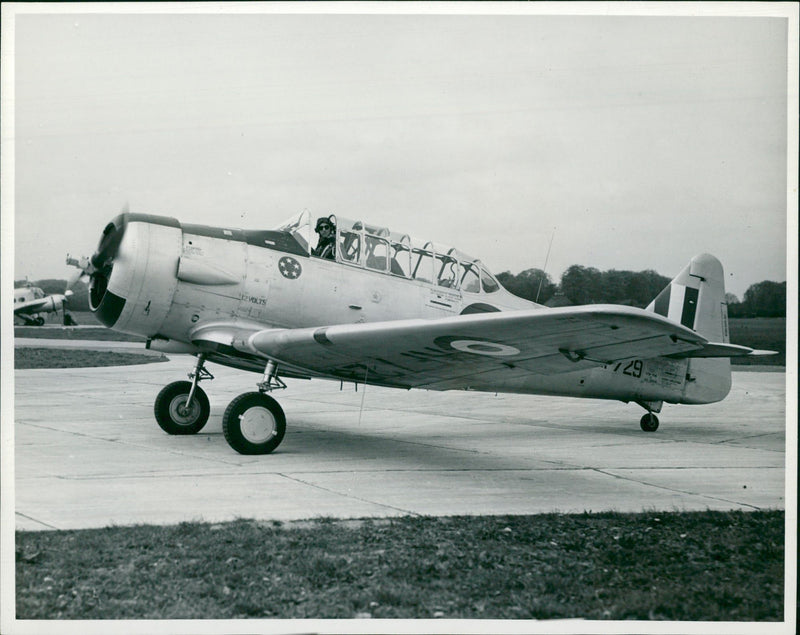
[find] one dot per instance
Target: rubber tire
(238, 409)
(39, 321)
(168, 401)
(649, 422)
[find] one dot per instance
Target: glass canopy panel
(471, 282)
(422, 265)
(446, 271)
(299, 226)
(490, 285)
(349, 240)
(376, 253)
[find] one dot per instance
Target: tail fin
(696, 299)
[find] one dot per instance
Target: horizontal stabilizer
(719, 349)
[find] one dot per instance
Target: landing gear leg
(254, 423)
(271, 380)
(182, 407)
(197, 375)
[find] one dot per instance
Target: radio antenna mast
(544, 271)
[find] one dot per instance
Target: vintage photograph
(399, 317)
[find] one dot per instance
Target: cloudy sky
(634, 142)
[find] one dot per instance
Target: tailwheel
(254, 423)
(175, 414)
(649, 422)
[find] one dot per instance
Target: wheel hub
(182, 413)
(257, 425)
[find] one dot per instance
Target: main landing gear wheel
(649, 422)
(172, 412)
(254, 423)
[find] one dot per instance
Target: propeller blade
(110, 240)
(84, 271)
(73, 279)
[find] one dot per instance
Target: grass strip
(31, 357)
(99, 333)
(716, 566)
(760, 333)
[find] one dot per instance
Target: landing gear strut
(254, 423)
(182, 407)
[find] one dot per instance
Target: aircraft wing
(476, 349)
(34, 306)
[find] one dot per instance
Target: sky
(629, 142)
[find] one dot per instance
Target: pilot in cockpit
(327, 238)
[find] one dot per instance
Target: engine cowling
(135, 267)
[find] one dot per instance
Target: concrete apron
(89, 453)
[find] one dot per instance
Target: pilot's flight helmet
(325, 220)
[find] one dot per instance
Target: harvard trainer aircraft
(31, 302)
(373, 306)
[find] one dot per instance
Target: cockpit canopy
(26, 294)
(359, 244)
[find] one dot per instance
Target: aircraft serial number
(632, 368)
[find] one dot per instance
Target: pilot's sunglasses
(321, 227)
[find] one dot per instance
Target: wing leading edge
(455, 352)
(34, 306)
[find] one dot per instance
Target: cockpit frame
(376, 248)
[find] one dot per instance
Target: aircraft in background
(386, 309)
(31, 303)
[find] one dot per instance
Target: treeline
(764, 299)
(587, 285)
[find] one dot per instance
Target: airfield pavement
(88, 452)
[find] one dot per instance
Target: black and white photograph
(402, 317)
